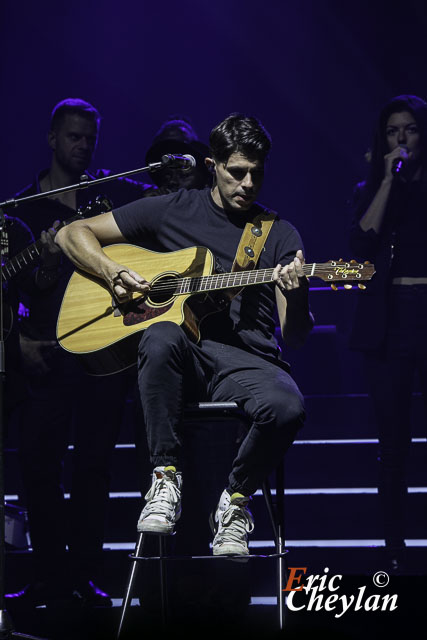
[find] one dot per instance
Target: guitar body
(105, 335)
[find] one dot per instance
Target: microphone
(185, 162)
(398, 163)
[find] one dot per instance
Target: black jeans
(390, 375)
(173, 371)
(67, 406)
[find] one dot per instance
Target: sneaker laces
(235, 523)
(162, 497)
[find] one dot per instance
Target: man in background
(65, 404)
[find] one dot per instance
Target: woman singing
(390, 327)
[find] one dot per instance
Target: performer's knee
(160, 339)
(283, 409)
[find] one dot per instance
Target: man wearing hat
(177, 136)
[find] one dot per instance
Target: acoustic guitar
(184, 288)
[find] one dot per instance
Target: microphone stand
(85, 182)
(6, 625)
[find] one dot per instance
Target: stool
(220, 411)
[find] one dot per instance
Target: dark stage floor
(198, 616)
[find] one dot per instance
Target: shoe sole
(155, 528)
(229, 550)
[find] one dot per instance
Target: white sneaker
(163, 507)
(231, 523)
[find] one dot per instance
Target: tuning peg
(361, 286)
(353, 262)
(334, 287)
(366, 262)
(348, 286)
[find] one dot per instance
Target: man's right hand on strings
(124, 282)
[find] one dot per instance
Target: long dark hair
(418, 108)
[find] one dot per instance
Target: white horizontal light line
(255, 600)
(129, 445)
(266, 600)
(299, 442)
(337, 491)
(113, 494)
(331, 396)
(119, 546)
(11, 497)
(116, 494)
(332, 491)
(359, 542)
(117, 602)
(350, 441)
(339, 441)
(266, 544)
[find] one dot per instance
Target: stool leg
(277, 523)
(130, 583)
(280, 542)
(163, 581)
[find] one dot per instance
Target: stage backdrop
(314, 71)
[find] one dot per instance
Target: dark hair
(240, 134)
(73, 106)
(418, 108)
(177, 135)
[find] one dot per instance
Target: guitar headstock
(101, 204)
(340, 271)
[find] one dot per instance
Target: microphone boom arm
(83, 184)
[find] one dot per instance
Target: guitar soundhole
(163, 290)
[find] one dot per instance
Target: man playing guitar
(237, 357)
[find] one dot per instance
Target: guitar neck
(331, 271)
(22, 260)
(218, 281)
(230, 280)
(25, 258)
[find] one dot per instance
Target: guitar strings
(240, 277)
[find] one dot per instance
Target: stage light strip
(299, 442)
(117, 602)
(255, 601)
(263, 600)
(357, 543)
(339, 543)
(350, 441)
(339, 491)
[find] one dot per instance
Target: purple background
(316, 72)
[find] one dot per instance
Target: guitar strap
(253, 240)
(251, 244)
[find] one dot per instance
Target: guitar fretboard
(331, 271)
(201, 284)
(13, 266)
(222, 281)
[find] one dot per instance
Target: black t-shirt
(410, 231)
(191, 218)
(40, 215)
(397, 251)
